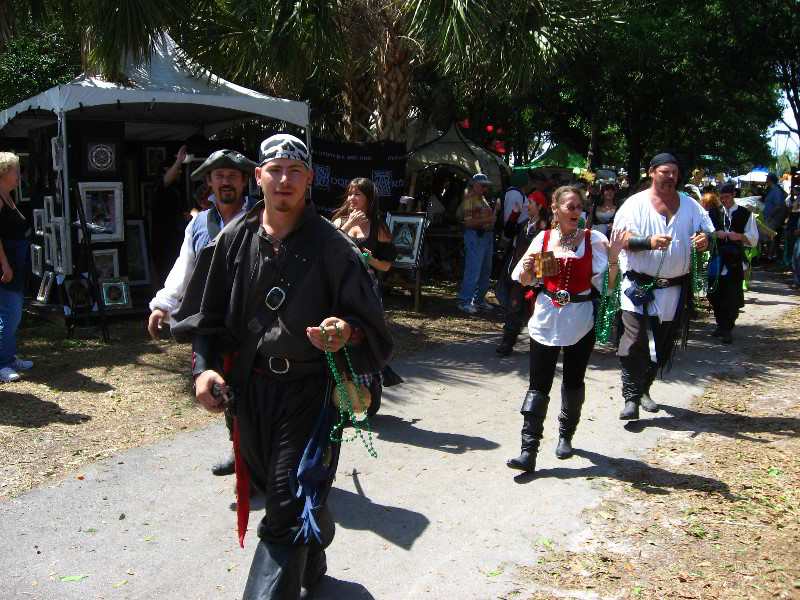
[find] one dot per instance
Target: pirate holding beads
(278, 292)
(665, 231)
(563, 318)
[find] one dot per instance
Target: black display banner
(336, 163)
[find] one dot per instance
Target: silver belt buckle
(274, 370)
(563, 297)
(273, 303)
(662, 283)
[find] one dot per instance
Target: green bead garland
(607, 310)
(349, 415)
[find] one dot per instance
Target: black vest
(732, 252)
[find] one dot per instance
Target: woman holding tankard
(565, 262)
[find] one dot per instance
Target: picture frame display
(77, 294)
(138, 258)
(48, 247)
(38, 221)
(408, 230)
(45, 287)
(103, 207)
(154, 156)
(101, 157)
(37, 260)
(60, 248)
(107, 263)
(116, 293)
(56, 154)
(48, 210)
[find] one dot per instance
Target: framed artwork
(38, 221)
(60, 248)
(23, 187)
(37, 258)
(77, 294)
(154, 156)
(107, 263)
(45, 287)
(56, 154)
(101, 157)
(48, 247)
(407, 231)
(48, 210)
(102, 204)
(116, 293)
(137, 255)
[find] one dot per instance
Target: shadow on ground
(651, 480)
(390, 428)
(28, 411)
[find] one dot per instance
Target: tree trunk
(394, 84)
(358, 99)
(6, 28)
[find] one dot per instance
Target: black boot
(534, 409)
(646, 402)
(276, 572)
(316, 567)
(505, 348)
(632, 373)
(224, 467)
(571, 404)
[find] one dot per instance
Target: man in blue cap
(275, 290)
(664, 228)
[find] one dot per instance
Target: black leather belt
(660, 283)
(563, 297)
(283, 366)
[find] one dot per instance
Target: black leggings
(544, 359)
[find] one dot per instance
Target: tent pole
(62, 126)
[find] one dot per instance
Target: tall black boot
(646, 401)
(534, 410)
(571, 404)
(316, 567)
(632, 373)
(276, 572)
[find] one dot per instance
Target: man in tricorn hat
(735, 228)
(664, 228)
(276, 289)
(226, 172)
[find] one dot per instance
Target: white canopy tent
(754, 176)
(161, 100)
(454, 149)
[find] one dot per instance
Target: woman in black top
(359, 217)
(14, 246)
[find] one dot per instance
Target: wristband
(639, 242)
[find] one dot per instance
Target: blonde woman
(14, 232)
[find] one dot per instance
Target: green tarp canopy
(557, 156)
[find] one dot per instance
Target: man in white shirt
(516, 200)
(663, 226)
(226, 172)
(735, 228)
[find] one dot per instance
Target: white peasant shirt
(552, 325)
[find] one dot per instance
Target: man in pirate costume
(278, 287)
(663, 227)
(226, 172)
(736, 228)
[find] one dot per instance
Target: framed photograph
(56, 154)
(102, 203)
(116, 293)
(48, 247)
(23, 187)
(38, 221)
(407, 231)
(107, 263)
(101, 157)
(136, 252)
(154, 156)
(76, 294)
(45, 287)
(60, 246)
(48, 210)
(37, 258)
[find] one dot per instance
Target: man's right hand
(660, 241)
(156, 321)
(202, 390)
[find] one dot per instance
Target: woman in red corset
(563, 317)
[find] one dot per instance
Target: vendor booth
(97, 145)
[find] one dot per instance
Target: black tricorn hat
(224, 159)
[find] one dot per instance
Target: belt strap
(659, 283)
(272, 365)
(570, 298)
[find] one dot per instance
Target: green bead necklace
(349, 415)
(607, 310)
(700, 287)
